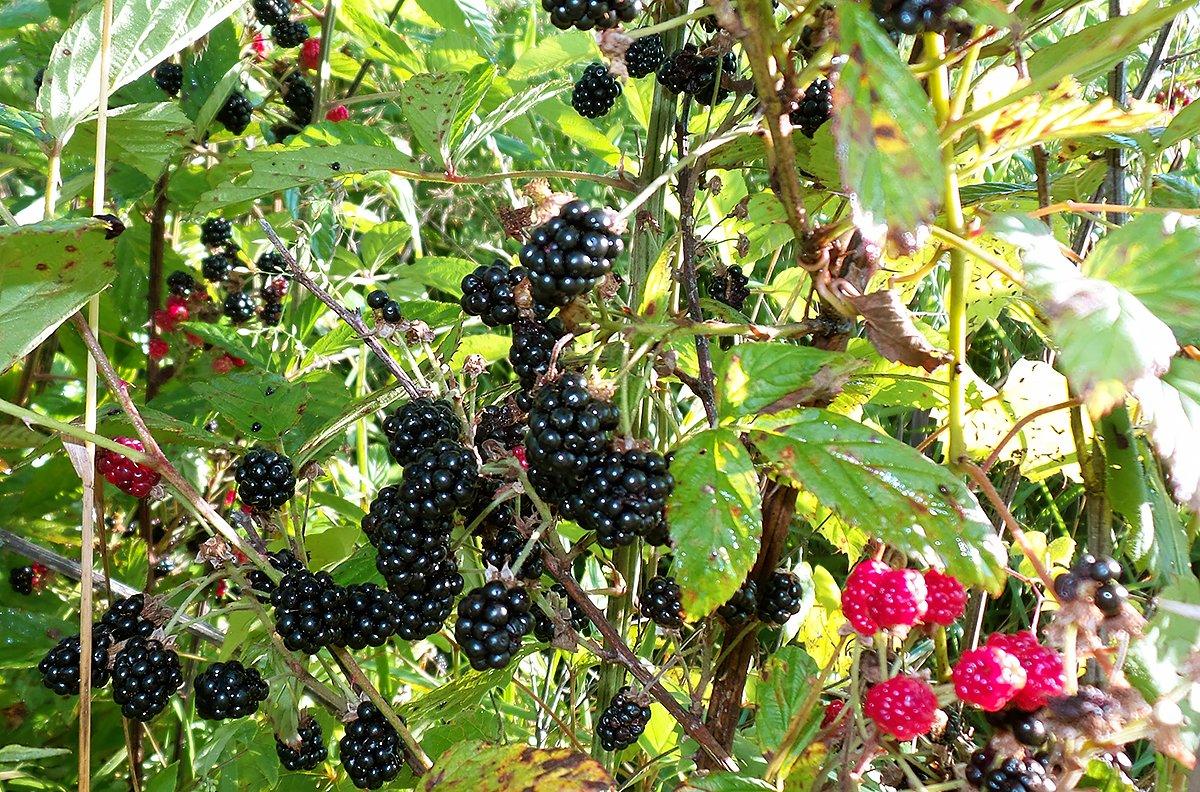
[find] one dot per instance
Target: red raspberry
(222, 364)
(859, 593)
(988, 677)
(310, 54)
(1045, 677)
(903, 706)
(337, 113)
(900, 599)
(125, 474)
(158, 349)
(177, 309)
(946, 597)
(163, 321)
(832, 710)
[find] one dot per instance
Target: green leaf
(1171, 414)
(510, 109)
(464, 16)
(715, 516)
(886, 488)
(144, 32)
(439, 273)
(430, 103)
(725, 782)
(1168, 556)
(165, 780)
(479, 81)
(11, 754)
(1104, 776)
(241, 398)
(786, 680)
(48, 270)
(205, 73)
(228, 339)
(886, 139)
(553, 54)
(1184, 125)
(478, 767)
(379, 41)
(769, 378)
(142, 136)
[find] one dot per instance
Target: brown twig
(158, 244)
(1019, 425)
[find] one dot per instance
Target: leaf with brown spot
(478, 767)
(769, 378)
(891, 330)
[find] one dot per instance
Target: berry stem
(675, 22)
(941, 652)
(71, 430)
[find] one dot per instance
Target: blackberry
(503, 547)
(440, 480)
(780, 598)
(600, 14)
(21, 579)
(228, 690)
(60, 667)
(699, 76)
(169, 78)
(914, 16)
(645, 55)
(1012, 775)
(532, 346)
(489, 293)
(271, 313)
(1066, 586)
(144, 675)
(730, 288)
(181, 284)
(742, 606)
(568, 428)
(240, 307)
(216, 232)
(660, 602)
(568, 254)
(125, 619)
(417, 426)
(623, 496)
(283, 560)
(289, 35)
(271, 12)
(310, 611)
(1110, 597)
(492, 621)
(371, 616)
(424, 613)
(596, 92)
(306, 754)
(377, 299)
(499, 424)
(622, 722)
(299, 96)
(272, 262)
(391, 312)
(543, 625)
(265, 479)
(216, 267)
(370, 749)
(814, 108)
(236, 113)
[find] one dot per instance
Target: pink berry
(900, 599)
(222, 364)
(832, 710)
(123, 473)
(903, 706)
(946, 597)
(1045, 676)
(988, 677)
(310, 54)
(237, 361)
(158, 349)
(163, 321)
(260, 46)
(337, 113)
(858, 594)
(177, 309)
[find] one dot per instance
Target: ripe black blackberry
(568, 254)
(568, 428)
(216, 232)
(372, 615)
(390, 312)
(60, 667)
(595, 92)
(144, 675)
(730, 287)
(310, 611)
(780, 598)
(239, 307)
(125, 618)
(543, 625)
(623, 496)
(1013, 774)
(660, 602)
(181, 284)
(298, 96)
(425, 612)
(417, 426)
(271, 12)
(532, 346)
(699, 76)
(377, 299)
(21, 579)
(600, 14)
(288, 34)
(228, 690)
(216, 267)
(622, 722)
(499, 424)
(493, 619)
(283, 560)
(236, 113)
(489, 293)
(645, 55)
(502, 548)
(440, 480)
(914, 16)
(271, 313)
(742, 606)
(169, 78)
(272, 262)
(1028, 728)
(370, 749)
(814, 108)
(306, 754)
(265, 479)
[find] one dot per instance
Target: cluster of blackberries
(1094, 578)
(240, 304)
(699, 76)
(490, 292)
(24, 580)
(774, 602)
(742, 606)
(502, 547)
(660, 602)
(543, 622)
(306, 754)
(645, 55)
(814, 108)
(370, 750)
(372, 616)
(595, 92)
(1026, 727)
(440, 480)
(229, 690)
(492, 622)
(568, 254)
(60, 667)
(387, 309)
(265, 479)
(499, 424)
(914, 16)
(181, 284)
(730, 287)
(126, 618)
(623, 496)
(622, 722)
(298, 96)
(283, 560)
(274, 14)
(169, 78)
(588, 14)
(271, 312)
(1011, 774)
(144, 675)
(417, 426)
(569, 429)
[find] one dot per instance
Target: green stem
(71, 430)
(328, 23)
(942, 653)
(670, 24)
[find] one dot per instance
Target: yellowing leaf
(477, 767)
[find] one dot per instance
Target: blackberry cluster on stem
(283, 560)
(308, 752)
(645, 55)
(298, 95)
(489, 292)
(169, 78)
(502, 547)
(543, 622)
(239, 307)
(567, 255)
(144, 675)
(310, 611)
(742, 606)
(532, 347)
(181, 284)
(288, 34)
(1009, 774)
(236, 113)
(499, 424)
(568, 429)
(589, 14)
(60, 667)
(492, 622)
(387, 309)
(418, 425)
(622, 722)
(699, 76)
(216, 267)
(21, 579)
(440, 480)
(730, 287)
(372, 616)
(596, 92)
(271, 12)
(814, 108)
(780, 597)
(265, 479)
(1094, 578)
(228, 690)
(370, 749)
(623, 496)
(125, 619)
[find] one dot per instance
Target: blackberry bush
(216, 267)
(814, 108)
(236, 113)
(289, 35)
(417, 426)
(60, 667)
(372, 616)
(622, 722)
(490, 293)
(370, 750)
(699, 76)
(310, 611)
(265, 480)
(228, 690)
(596, 92)
(240, 307)
(306, 754)
(144, 675)
(492, 622)
(567, 255)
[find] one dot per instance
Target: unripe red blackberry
(814, 108)
(601, 15)
(622, 722)
(567, 255)
(532, 346)
(730, 287)
(440, 480)
(645, 55)
(699, 76)
(21, 579)
(988, 677)
(132, 478)
(144, 675)
(493, 619)
(742, 606)
(265, 479)
(289, 34)
(780, 597)
(283, 560)
(125, 619)
(370, 750)
(901, 599)
(240, 307)
(216, 232)
(417, 426)
(903, 706)
(372, 616)
(568, 428)
(271, 12)
(298, 95)
(181, 284)
(228, 690)
(488, 292)
(310, 611)
(216, 267)
(236, 113)
(946, 597)
(169, 78)
(60, 667)
(1045, 675)
(595, 93)
(660, 602)
(309, 752)
(502, 548)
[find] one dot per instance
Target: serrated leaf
(460, 694)
(142, 136)
(769, 378)
(379, 41)
(715, 517)
(241, 398)
(886, 139)
(887, 489)
(512, 108)
(48, 270)
(228, 339)
(477, 767)
(785, 681)
(479, 80)
(429, 103)
(552, 54)
(441, 273)
(464, 16)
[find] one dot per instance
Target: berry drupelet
(568, 254)
(132, 478)
(492, 621)
(780, 597)
(588, 14)
(169, 78)
(417, 426)
(306, 754)
(645, 55)
(60, 667)
(595, 92)
(228, 690)
(622, 722)
(489, 293)
(236, 113)
(144, 675)
(660, 602)
(370, 749)
(265, 479)
(814, 108)
(310, 611)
